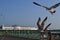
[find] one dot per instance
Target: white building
(19, 28)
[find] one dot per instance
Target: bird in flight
(41, 25)
(50, 9)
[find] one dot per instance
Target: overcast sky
(25, 13)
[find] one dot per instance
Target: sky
(25, 13)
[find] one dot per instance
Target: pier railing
(33, 34)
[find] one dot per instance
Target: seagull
(41, 25)
(50, 9)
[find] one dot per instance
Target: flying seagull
(41, 25)
(50, 9)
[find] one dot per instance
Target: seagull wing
(56, 5)
(36, 4)
(40, 5)
(47, 26)
(43, 22)
(38, 24)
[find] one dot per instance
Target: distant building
(19, 28)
